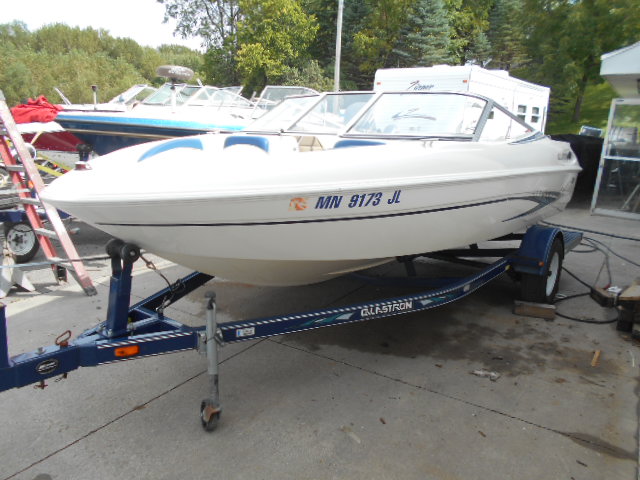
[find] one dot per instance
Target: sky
(140, 20)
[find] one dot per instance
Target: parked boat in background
(174, 110)
(412, 172)
(120, 103)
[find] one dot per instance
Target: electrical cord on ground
(598, 242)
(568, 227)
(591, 321)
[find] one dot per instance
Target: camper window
(535, 115)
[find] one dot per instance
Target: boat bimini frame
(142, 330)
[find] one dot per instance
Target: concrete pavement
(391, 398)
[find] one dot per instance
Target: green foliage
(468, 19)
(425, 36)
(73, 59)
(273, 35)
(310, 75)
(375, 43)
(214, 21)
(595, 111)
(506, 35)
(557, 43)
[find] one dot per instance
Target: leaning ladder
(24, 174)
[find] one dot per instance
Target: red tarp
(38, 110)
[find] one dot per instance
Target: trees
(272, 35)
(216, 23)
(506, 34)
(73, 59)
(425, 37)
(555, 43)
(564, 42)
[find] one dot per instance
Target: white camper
(524, 99)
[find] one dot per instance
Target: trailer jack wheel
(209, 415)
(21, 240)
(543, 288)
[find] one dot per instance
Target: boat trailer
(142, 330)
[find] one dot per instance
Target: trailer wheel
(543, 288)
(209, 415)
(21, 240)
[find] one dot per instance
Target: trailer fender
(534, 249)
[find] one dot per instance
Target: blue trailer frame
(142, 330)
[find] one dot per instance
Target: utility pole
(336, 74)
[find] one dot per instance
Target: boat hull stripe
(541, 200)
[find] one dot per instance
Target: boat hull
(302, 233)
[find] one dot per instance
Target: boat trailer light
(128, 351)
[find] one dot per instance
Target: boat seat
(170, 145)
(309, 143)
(356, 142)
(260, 142)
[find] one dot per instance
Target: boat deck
(387, 398)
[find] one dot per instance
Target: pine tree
(506, 35)
(479, 50)
(424, 40)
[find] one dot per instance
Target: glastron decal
(298, 203)
(386, 309)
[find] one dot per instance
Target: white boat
(120, 103)
(412, 172)
(176, 109)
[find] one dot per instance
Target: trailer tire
(21, 241)
(543, 288)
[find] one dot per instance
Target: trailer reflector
(128, 351)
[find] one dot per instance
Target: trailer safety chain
(174, 288)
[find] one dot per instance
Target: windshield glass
(211, 96)
(272, 95)
(281, 117)
(133, 94)
(332, 113)
(162, 96)
(421, 114)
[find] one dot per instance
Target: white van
(524, 99)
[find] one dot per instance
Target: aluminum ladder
(26, 179)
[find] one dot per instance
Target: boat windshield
(272, 95)
(332, 113)
(197, 95)
(162, 96)
(134, 94)
(215, 97)
(282, 116)
(421, 114)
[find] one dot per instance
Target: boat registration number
(358, 200)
